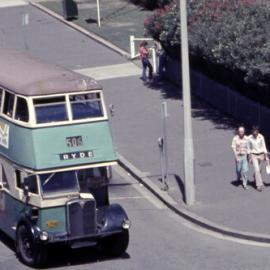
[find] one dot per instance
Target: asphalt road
(158, 238)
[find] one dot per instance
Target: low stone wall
(222, 97)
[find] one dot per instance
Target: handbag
(267, 167)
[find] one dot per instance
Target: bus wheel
(29, 252)
(116, 244)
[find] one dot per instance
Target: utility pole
(188, 139)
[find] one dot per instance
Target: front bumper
(64, 238)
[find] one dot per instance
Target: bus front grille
(81, 216)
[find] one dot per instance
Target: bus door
(4, 190)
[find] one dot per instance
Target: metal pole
(164, 124)
(161, 149)
(164, 153)
(132, 47)
(98, 14)
(188, 140)
(154, 60)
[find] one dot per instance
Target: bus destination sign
(76, 155)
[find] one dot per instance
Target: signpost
(162, 143)
(25, 19)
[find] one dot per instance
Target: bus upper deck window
(50, 109)
(21, 113)
(86, 106)
(8, 104)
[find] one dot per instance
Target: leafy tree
(230, 34)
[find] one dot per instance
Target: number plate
(74, 141)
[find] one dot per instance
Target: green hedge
(227, 38)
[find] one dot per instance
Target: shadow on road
(68, 257)
(175, 183)
(91, 20)
(166, 88)
(120, 184)
(200, 108)
(203, 111)
(7, 241)
(181, 187)
(252, 184)
(60, 256)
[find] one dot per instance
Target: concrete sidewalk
(136, 127)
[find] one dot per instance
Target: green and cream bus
(56, 153)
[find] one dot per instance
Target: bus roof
(26, 75)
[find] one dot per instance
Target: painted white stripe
(111, 71)
(12, 3)
(140, 188)
(128, 198)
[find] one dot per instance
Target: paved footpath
(137, 125)
(12, 3)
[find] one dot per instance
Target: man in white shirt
(259, 154)
(240, 146)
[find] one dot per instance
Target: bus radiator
(81, 216)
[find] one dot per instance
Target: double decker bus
(56, 153)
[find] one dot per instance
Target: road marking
(140, 188)
(12, 3)
(111, 71)
(128, 198)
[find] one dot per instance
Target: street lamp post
(188, 138)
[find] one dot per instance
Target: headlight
(43, 236)
(126, 224)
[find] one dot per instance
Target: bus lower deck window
(50, 109)
(8, 104)
(31, 182)
(18, 179)
(86, 106)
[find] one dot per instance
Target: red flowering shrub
(152, 4)
(231, 34)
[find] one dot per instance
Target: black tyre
(116, 244)
(29, 252)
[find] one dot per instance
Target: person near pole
(259, 154)
(240, 146)
(144, 56)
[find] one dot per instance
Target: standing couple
(249, 149)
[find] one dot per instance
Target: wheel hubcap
(27, 247)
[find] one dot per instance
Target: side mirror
(109, 173)
(160, 143)
(112, 110)
(26, 191)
